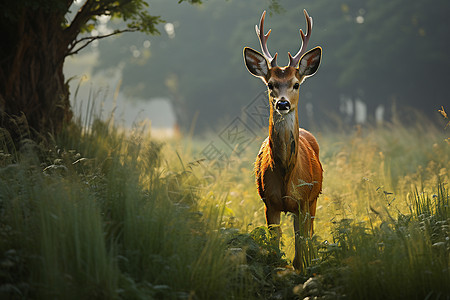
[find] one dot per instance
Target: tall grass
(53, 227)
(402, 258)
(107, 221)
(112, 214)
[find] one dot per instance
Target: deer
(287, 169)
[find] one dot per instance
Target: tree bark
(32, 81)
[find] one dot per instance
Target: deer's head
(283, 83)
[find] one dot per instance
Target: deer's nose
(283, 105)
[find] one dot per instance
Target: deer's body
(287, 180)
(287, 169)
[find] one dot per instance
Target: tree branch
(90, 39)
(85, 13)
(82, 16)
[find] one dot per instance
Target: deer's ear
(310, 61)
(256, 63)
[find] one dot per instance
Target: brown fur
(275, 181)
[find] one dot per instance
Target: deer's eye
(296, 86)
(270, 86)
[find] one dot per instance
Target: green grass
(112, 214)
(108, 226)
(402, 258)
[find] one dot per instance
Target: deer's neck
(283, 137)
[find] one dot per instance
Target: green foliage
(135, 15)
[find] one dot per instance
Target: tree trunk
(31, 71)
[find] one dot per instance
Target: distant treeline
(375, 55)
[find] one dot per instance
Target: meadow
(105, 213)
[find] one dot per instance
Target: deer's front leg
(312, 213)
(306, 230)
(297, 263)
(273, 223)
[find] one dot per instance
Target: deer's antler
(263, 41)
(293, 61)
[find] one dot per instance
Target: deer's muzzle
(283, 106)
